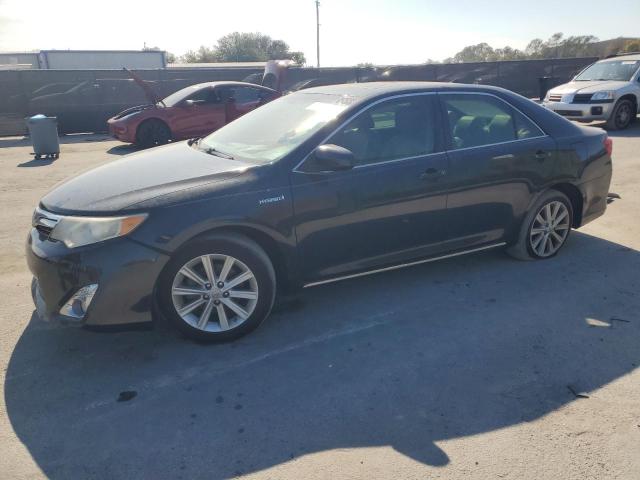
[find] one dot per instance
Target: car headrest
(409, 117)
(364, 122)
(469, 132)
(501, 129)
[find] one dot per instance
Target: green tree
(169, 57)
(202, 55)
(632, 46)
(556, 46)
(244, 47)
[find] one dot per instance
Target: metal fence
(84, 99)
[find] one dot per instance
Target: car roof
(373, 89)
(617, 58)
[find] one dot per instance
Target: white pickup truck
(607, 90)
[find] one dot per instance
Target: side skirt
(403, 265)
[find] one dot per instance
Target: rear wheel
(622, 115)
(545, 228)
(218, 289)
(152, 132)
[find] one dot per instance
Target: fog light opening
(79, 302)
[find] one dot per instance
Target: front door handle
(432, 173)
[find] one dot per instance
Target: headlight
(78, 231)
(602, 96)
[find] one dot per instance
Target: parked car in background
(321, 185)
(83, 106)
(607, 90)
(193, 111)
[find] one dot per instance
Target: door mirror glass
(332, 158)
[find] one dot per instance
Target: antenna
(318, 31)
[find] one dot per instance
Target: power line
(318, 31)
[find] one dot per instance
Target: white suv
(606, 90)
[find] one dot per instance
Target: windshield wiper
(218, 153)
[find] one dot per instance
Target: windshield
(176, 97)
(272, 131)
(621, 70)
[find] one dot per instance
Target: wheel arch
(152, 119)
(631, 97)
(264, 240)
(575, 197)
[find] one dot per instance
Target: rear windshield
(621, 70)
(275, 129)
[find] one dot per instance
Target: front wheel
(153, 132)
(622, 115)
(218, 289)
(545, 229)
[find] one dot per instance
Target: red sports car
(191, 112)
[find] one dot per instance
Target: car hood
(592, 86)
(129, 111)
(139, 178)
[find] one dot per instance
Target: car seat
(413, 135)
(469, 132)
(500, 129)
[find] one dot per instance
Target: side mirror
(332, 158)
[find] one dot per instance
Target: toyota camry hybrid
(321, 185)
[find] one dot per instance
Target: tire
(531, 243)
(229, 316)
(622, 115)
(152, 132)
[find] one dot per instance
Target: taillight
(608, 145)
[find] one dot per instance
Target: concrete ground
(473, 367)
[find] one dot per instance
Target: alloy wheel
(214, 292)
(550, 229)
(623, 115)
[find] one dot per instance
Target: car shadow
(405, 359)
(40, 162)
(632, 131)
(63, 139)
(124, 149)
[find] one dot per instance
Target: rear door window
(475, 120)
(247, 95)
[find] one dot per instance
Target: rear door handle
(431, 173)
(541, 155)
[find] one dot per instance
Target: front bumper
(586, 112)
(120, 131)
(124, 270)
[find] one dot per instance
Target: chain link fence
(83, 100)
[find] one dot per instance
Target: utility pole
(318, 31)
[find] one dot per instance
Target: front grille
(555, 98)
(44, 230)
(569, 113)
(44, 221)
(582, 98)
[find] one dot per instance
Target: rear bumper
(583, 112)
(124, 270)
(594, 194)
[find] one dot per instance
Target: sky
(351, 32)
